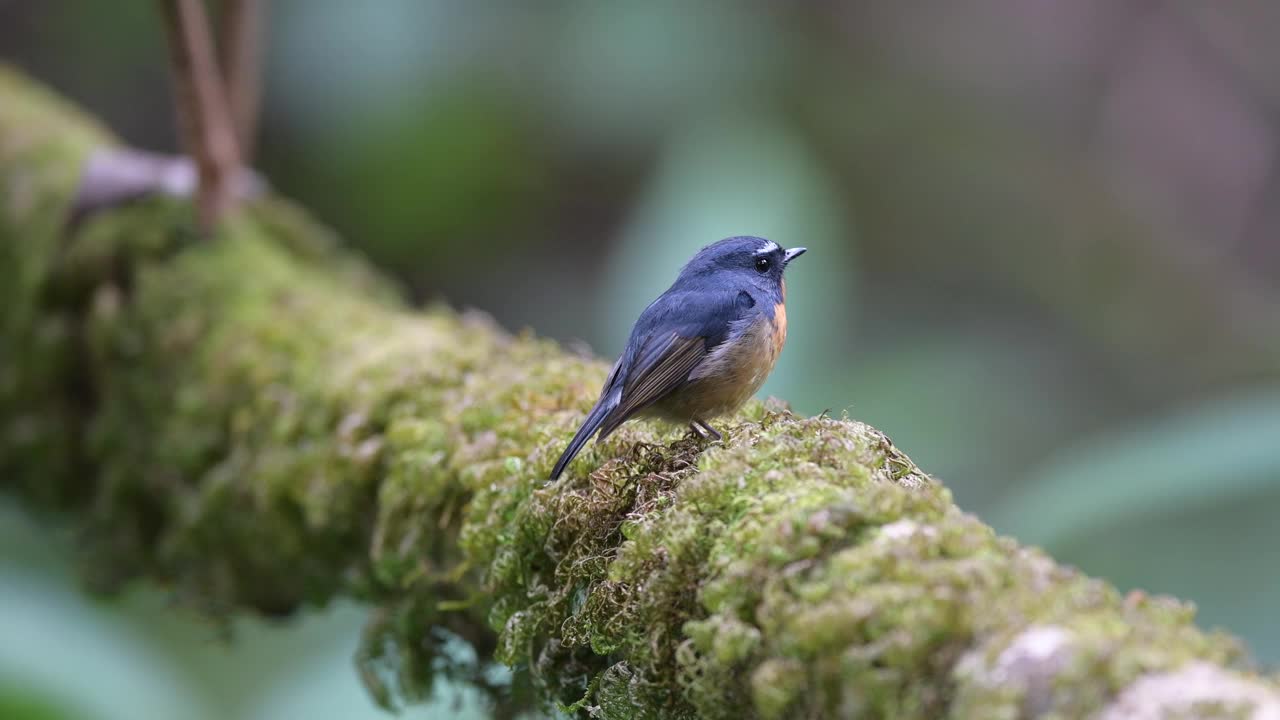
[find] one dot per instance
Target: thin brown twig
(241, 46)
(201, 105)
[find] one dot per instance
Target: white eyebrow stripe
(769, 247)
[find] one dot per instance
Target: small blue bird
(704, 347)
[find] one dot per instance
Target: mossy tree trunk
(258, 422)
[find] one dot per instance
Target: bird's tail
(589, 426)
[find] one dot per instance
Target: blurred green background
(1044, 258)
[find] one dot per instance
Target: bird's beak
(792, 254)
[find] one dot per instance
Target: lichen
(258, 422)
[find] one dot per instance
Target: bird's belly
(731, 374)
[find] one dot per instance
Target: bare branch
(114, 176)
(241, 46)
(201, 105)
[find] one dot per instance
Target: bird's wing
(671, 338)
(662, 366)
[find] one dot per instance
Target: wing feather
(673, 335)
(662, 366)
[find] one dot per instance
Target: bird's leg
(706, 430)
(697, 429)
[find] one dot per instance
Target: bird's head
(758, 261)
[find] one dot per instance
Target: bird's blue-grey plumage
(688, 347)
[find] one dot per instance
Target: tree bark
(260, 423)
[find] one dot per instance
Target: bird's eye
(762, 265)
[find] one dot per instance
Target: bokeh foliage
(1043, 234)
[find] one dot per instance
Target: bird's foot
(705, 431)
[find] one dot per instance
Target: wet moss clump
(258, 422)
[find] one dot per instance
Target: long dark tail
(589, 426)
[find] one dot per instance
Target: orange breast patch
(779, 326)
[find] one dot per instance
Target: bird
(703, 347)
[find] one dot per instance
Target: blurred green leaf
(139, 657)
(333, 64)
(956, 398)
(18, 703)
(625, 72)
(59, 646)
(1221, 555)
(1226, 449)
(1185, 505)
(436, 175)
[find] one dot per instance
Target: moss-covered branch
(259, 423)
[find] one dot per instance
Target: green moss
(43, 143)
(258, 422)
